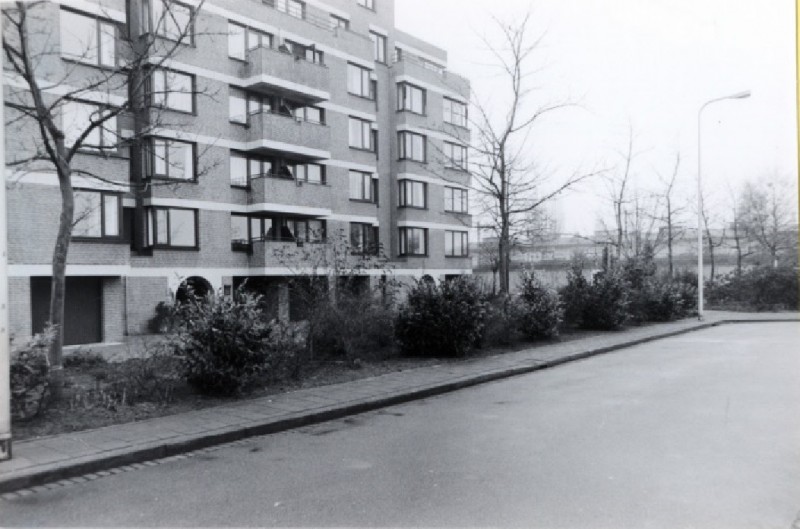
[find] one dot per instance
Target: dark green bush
(501, 321)
(447, 319)
(601, 304)
(758, 288)
(164, 319)
(30, 377)
(225, 343)
(84, 359)
(539, 309)
(575, 294)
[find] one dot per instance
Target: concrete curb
(193, 442)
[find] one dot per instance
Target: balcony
(270, 133)
(291, 255)
(281, 72)
(417, 68)
(272, 194)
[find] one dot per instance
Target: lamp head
(740, 95)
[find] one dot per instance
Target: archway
(194, 287)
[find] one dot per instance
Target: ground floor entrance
(83, 308)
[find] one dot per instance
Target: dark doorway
(83, 308)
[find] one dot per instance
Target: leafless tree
(39, 99)
(740, 238)
(670, 212)
(768, 217)
(619, 185)
(712, 240)
(509, 184)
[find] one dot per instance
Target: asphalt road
(701, 430)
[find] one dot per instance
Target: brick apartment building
(280, 124)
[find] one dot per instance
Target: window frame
(365, 75)
(402, 148)
(159, 29)
(367, 4)
(102, 130)
(338, 22)
(152, 228)
(98, 37)
(366, 132)
(153, 175)
(403, 241)
(449, 114)
(449, 149)
(405, 99)
(167, 90)
(451, 200)
(405, 199)
(368, 182)
(379, 46)
(369, 236)
(103, 237)
(450, 240)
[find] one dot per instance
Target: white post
(5, 343)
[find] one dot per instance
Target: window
(361, 134)
(311, 114)
(411, 98)
(362, 187)
(339, 22)
(87, 39)
(172, 227)
(311, 173)
(76, 119)
(293, 8)
(369, 4)
(97, 215)
(307, 53)
(240, 235)
(242, 39)
(363, 238)
(359, 82)
(455, 156)
(413, 241)
(456, 244)
(172, 159)
(455, 200)
(412, 146)
(172, 20)
(455, 112)
(413, 194)
(173, 90)
(287, 229)
(379, 46)
(237, 106)
(238, 170)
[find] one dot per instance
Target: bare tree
(672, 230)
(740, 238)
(126, 90)
(768, 217)
(712, 241)
(510, 186)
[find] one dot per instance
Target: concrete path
(89, 454)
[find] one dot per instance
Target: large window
(363, 238)
(411, 98)
(173, 90)
(172, 227)
(361, 134)
(413, 241)
(172, 159)
(379, 46)
(456, 244)
(301, 51)
(88, 39)
(413, 194)
(363, 187)
(237, 105)
(242, 39)
(412, 146)
(294, 8)
(455, 112)
(97, 215)
(311, 173)
(338, 22)
(173, 20)
(359, 82)
(78, 116)
(455, 156)
(455, 200)
(369, 4)
(287, 229)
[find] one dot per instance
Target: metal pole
(700, 282)
(5, 344)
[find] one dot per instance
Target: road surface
(700, 430)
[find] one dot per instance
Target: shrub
(84, 359)
(575, 294)
(606, 305)
(30, 377)
(164, 319)
(657, 300)
(225, 343)
(501, 321)
(447, 319)
(539, 309)
(758, 288)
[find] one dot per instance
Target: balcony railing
(302, 79)
(278, 133)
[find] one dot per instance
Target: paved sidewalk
(47, 459)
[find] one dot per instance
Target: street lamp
(738, 95)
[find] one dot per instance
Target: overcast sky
(650, 63)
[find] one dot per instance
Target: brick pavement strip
(77, 457)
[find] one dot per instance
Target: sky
(645, 66)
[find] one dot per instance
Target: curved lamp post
(738, 95)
